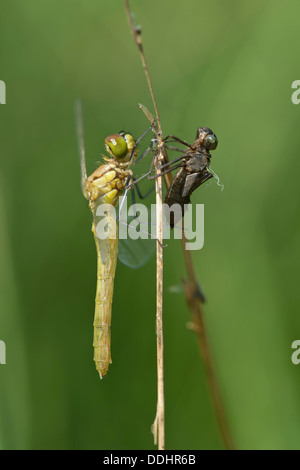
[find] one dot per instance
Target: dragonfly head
(121, 147)
(207, 138)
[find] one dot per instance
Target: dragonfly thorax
(106, 184)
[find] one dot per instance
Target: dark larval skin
(193, 171)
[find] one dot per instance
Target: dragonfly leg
(152, 177)
(165, 165)
(132, 188)
(143, 196)
(125, 194)
(134, 206)
(169, 147)
(145, 133)
(138, 190)
(177, 140)
(134, 185)
(145, 153)
(138, 140)
(137, 180)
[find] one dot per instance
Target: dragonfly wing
(135, 253)
(81, 147)
(136, 240)
(195, 180)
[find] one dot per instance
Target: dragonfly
(103, 188)
(193, 168)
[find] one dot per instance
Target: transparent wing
(137, 242)
(136, 235)
(135, 253)
(80, 137)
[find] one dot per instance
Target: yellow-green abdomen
(103, 303)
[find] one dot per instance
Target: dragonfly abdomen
(102, 347)
(107, 260)
(105, 186)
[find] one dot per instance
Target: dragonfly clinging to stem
(104, 187)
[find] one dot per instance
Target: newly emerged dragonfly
(103, 189)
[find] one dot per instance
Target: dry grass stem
(194, 301)
(158, 427)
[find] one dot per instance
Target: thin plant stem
(194, 301)
(138, 40)
(158, 427)
(195, 304)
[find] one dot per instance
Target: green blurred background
(228, 65)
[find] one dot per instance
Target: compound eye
(116, 145)
(210, 142)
